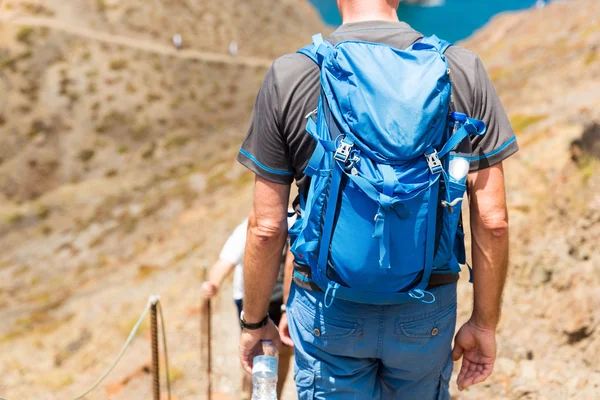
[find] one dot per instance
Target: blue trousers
(360, 351)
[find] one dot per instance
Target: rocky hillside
(546, 67)
(118, 180)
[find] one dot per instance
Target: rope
(125, 346)
(152, 300)
(164, 339)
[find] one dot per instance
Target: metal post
(205, 329)
(154, 344)
(209, 352)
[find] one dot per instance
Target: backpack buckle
(434, 163)
(343, 151)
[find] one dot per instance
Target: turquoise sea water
(452, 20)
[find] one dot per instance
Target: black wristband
(254, 326)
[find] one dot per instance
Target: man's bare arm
(267, 233)
(489, 233)
(475, 341)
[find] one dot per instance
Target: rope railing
(152, 305)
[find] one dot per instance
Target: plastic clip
(343, 152)
(434, 163)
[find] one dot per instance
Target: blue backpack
(382, 213)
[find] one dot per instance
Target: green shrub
(86, 155)
(119, 64)
(15, 218)
(24, 35)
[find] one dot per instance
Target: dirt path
(141, 44)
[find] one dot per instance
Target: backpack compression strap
(318, 50)
(432, 42)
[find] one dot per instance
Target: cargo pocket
(445, 376)
(451, 217)
(431, 335)
(305, 383)
(335, 336)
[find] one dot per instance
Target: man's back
(278, 147)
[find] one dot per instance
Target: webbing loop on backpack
(317, 39)
(472, 127)
(318, 50)
(420, 295)
(333, 287)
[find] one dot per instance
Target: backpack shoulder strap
(317, 50)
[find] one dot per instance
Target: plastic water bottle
(264, 373)
(459, 164)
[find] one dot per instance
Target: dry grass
(176, 141)
(591, 58)
(118, 64)
(14, 219)
(130, 87)
(152, 97)
(43, 212)
(520, 122)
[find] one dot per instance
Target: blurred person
(177, 41)
(231, 259)
(233, 48)
(371, 343)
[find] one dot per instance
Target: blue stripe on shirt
(498, 150)
(271, 170)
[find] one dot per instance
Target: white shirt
(233, 252)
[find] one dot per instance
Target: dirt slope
(546, 67)
(118, 180)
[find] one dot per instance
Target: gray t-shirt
(278, 148)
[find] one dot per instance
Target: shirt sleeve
(264, 150)
(233, 250)
(499, 141)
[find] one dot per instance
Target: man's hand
(209, 289)
(250, 345)
(477, 347)
(284, 331)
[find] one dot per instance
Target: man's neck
(367, 11)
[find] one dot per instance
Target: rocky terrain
(545, 65)
(118, 180)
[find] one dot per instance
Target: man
(357, 351)
(231, 259)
